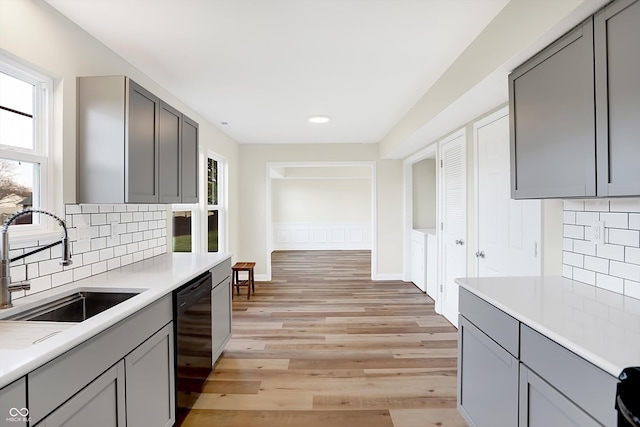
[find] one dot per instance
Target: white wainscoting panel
(321, 235)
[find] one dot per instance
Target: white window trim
(221, 207)
(195, 215)
(43, 149)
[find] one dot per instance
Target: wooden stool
(235, 277)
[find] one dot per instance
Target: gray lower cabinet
(617, 58)
(512, 375)
(99, 404)
(13, 403)
(220, 316)
(487, 379)
(150, 381)
(552, 120)
(93, 374)
(541, 405)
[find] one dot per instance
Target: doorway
(322, 216)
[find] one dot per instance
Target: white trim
(42, 153)
(476, 171)
(460, 133)
(223, 202)
(268, 202)
(387, 276)
(426, 153)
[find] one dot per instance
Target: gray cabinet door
(552, 120)
(99, 404)
(220, 316)
(13, 403)
(142, 145)
(189, 161)
(487, 379)
(617, 33)
(169, 137)
(150, 381)
(543, 406)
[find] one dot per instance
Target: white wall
(36, 34)
(330, 200)
(253, 215)
(424, 194)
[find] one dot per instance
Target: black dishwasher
(628, 398)
(192, 323)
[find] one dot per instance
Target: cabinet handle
(460, 242)
(480, 254)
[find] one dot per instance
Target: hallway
(323, 345)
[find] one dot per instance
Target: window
(24, 141)
(215, 203)
(188, 221)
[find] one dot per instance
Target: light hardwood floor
(322, 345)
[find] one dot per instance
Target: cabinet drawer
(498, 325)
(583, 383)
(55, 382)
(221, 271)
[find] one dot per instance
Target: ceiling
(257, 69)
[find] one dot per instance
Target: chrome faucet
(5, 278)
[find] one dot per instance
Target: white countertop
(601, 326)
(154, 278)
(426, 231)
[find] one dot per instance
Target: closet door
(453, 221)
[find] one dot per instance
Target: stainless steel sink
(76, 307)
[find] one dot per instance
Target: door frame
(490, 118)
(270, 166)
(429, 152)
(459, 133)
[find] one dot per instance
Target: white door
(453, 221)
(508, 230)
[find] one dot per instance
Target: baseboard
(387, 276)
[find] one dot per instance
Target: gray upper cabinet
(129, 147)
(170, 136)
(552, 120)
(189, 176)
(617, 58)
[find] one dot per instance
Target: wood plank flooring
(322, 345)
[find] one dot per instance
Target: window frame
(41, 152)
(221, 207)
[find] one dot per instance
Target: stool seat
(237, 282)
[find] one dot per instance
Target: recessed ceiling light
(319, 119)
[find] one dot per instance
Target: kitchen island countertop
(153, 278)
(600, 326)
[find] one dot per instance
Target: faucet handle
(24, 285)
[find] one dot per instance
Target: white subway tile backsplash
(625, 205)
(584, 247)
(610, 252)
(587, 218)
(632, 255)
(573, 205)
(615, 220)
(615, 265)
(573, 259)
(596, 205)
(632, 289)
(584, 276)
(625, 271)
(624, 237)
(573, 231)
(609, 283)
(138, 235)
(600, 265)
